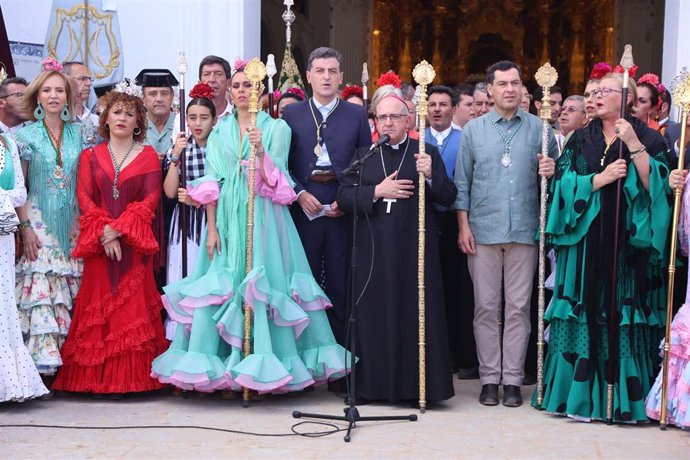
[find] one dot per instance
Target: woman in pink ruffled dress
(678, 402)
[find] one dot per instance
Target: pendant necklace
(609, 143)
(390, 201)
(58, 172)
(318, 149)
(506, 160)
(118, 167)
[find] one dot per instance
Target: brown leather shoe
(489, 394)
(512, 397)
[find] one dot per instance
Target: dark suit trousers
(327, 243)
(458, 292)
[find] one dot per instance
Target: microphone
(380, 141)
(357, 163)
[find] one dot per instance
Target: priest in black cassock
(387, 311)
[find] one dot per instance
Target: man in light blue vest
(443, 103)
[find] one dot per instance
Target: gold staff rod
(546, 77)
(681, 96)
(423, 74)
(255, 72)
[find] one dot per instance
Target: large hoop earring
(137, 131)
(107, 128)
(39, 112)
(65, 115)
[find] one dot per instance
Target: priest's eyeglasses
(84, 79)
(604, 92)
(393, 117)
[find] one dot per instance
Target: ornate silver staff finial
(181, 63)
(271, 68)
(288, 18)
(627, 58)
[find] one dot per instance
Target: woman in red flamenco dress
(117, 329)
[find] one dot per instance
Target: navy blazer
(346, 130)
(671, 135)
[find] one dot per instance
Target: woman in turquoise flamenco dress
(293, 345)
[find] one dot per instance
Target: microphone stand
(351, 412)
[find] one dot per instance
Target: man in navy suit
(672, 140)
(325, 133)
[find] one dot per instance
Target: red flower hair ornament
(600, 69)
(350, 91)
(619, 69)
(296, 91)
(653, 79)
(201, 90)
(389, 78)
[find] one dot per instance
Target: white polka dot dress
(19, 379)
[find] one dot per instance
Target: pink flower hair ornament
(51, 64)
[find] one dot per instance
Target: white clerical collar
(397, 146)
(441, 135)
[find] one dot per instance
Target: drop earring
(64, 115)
(39, 112)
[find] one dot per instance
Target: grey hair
(382, 92)
(481, 86)
(67, 66)
(324, 53)
(576, 98)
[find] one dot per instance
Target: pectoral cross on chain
(389, 202)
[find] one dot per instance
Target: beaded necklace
(505, 159)
(58, 172)
(117, 167)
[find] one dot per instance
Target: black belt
(323, 176)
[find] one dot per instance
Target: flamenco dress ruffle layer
(117, 327)
(678, 385)
(46, 287)
(574, 379)
(292, 344)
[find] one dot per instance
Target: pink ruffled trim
(196, 382)
(291, 388)
(174, 314)
(331, 372)
(204, 193)
(276, 186)
(319, 303)
(252, 294)
(190, 303)
(248, 381)
(229, 338)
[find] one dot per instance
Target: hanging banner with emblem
(87, 31)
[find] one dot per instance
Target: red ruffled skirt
(115, 334)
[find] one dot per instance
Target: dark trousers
(458, 292)
(327, 245)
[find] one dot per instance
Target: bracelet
(632, 154)
(24, 224)
(260, 152)
(174, 160)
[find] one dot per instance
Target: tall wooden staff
(546, 77)
(626, 63)
(255, 72)
(271, 70)
(681, 96)
(423, 74)
(182, 70)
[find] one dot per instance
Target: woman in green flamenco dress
(293, 345)
(581, 226)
